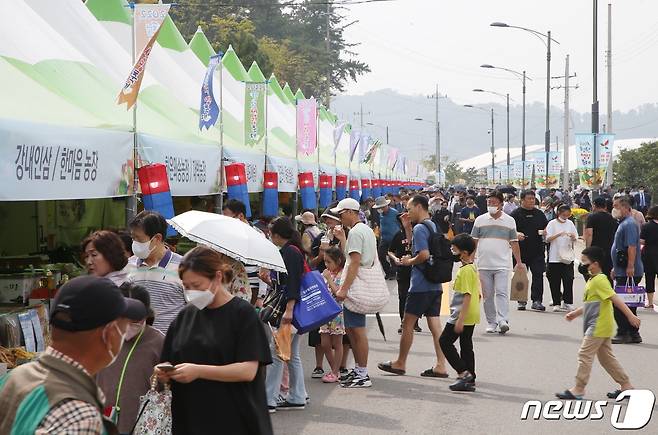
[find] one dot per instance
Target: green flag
(254, 113)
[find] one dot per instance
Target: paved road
(533, 361)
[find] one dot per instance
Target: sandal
(568, 395)
(615, 394)
(388, 367)
(430, 373)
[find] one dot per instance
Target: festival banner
(254, 112)
(371, 154)
(539, 160)
(209, 110)
(516, 174)
(307, 137)
(148, 20)
(554, 169)
(43, 161)
(392, 158)
(338, 134)
(588, 178)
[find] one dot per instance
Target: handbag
(283, 342)
(155, 411)
(566, 254)
(273, 306)
(369, 293)
(632, 295)
(316, 306)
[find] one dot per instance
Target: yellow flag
(148, 20)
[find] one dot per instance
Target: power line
(288, 4)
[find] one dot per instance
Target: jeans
(537, 267)
(495, 289)
(297, 392)
(465, 360)
(382, 253)
(561, 274)
(623, 327)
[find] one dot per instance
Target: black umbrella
(381, 325)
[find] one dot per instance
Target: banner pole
(219, 198)
(296, 197)
(267, 92)
(131, 210)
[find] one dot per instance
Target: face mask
(113, 355)
(199, 298)
(616, 213)
(142, 249)
(583, 269)
(561, 219)
(492, 210)
(456, 257)
(134, 329)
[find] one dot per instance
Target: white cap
(346, 204)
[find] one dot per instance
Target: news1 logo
(637, 413)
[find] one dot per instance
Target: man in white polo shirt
(495, 234)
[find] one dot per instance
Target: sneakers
(503, 327)
(271, 409)
(317, 373)
(521, 306)
(538, 306)
(357, 382)
(347, 376)
(636, 339)
(285, 406)
(559, 309)
(467, 383)
(621, 339)
(329, 378)
(417, 328)
(568, 307)
(342, 371)
(491, 329)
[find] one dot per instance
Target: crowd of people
(195, 322)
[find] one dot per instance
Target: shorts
(354, 320)
(426, 304)
(314, 338)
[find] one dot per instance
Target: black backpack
(438, 269)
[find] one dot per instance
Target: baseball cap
(346, 204)
(328, 214)
(88, 302)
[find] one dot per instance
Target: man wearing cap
(57, 392)
(310, 230)
(389, 227)
(325, 239)
(361, 251)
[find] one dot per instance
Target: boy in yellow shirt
(598, 326)
(464, 315)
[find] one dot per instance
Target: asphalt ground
(533, 361)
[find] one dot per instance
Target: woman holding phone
(218, 349)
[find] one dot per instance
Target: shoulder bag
(369, 293)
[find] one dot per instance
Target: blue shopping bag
(316, 305)
(633, 295)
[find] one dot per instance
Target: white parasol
(229, 236)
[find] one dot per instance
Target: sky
(413, 45)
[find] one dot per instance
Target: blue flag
(209, 110)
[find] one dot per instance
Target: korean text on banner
(254, 112)
(588, 177)
(554, 169)
(209, 110)
(43, 162)
(540, 169)
(148, 20)
(307, 137)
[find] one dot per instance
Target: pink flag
(307, 126)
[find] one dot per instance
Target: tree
(638, 167)
(471, 176)
(454, 173)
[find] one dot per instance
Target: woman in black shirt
(649, 238)
(218, 348)
(401, 246)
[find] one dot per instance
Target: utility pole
(608, 177)
(595, 98)
(436, 98)
(547, 136)
(328, 43)
(508, 159)
(493, 149)
(567, 87)
(523, 138)
(360, 114)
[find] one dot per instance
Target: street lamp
(380, 126)
(493, 150)
(522, 76)
(546, 40)
(506, 97)
(438, 144)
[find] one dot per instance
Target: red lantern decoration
(153, 179)
(341, 180)
(325, 181)
(354, 184)
(375, 183)
(270, 180)
(235, 174)
(365, 183)
(305, 180)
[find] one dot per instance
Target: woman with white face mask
(561, 235)
(218, 349)
(128, 377)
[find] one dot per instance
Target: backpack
(438, 269)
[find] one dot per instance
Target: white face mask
(616, 213)
(492, 210)
(134, 329)
(199, 298)
(109, 345)
(142, 249)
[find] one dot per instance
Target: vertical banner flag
(147, 22)
(392, 158)
(364, 143)
(585, 158)
(355, 138)
(254, 112)
(338, 134)
(517, 173)
(540, 169)
(554, 168)
(526, 175)
(605, 143)
(371, 154)
(307, 126)
(209, 110)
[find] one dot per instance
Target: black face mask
(456, 258)
(584, 269)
